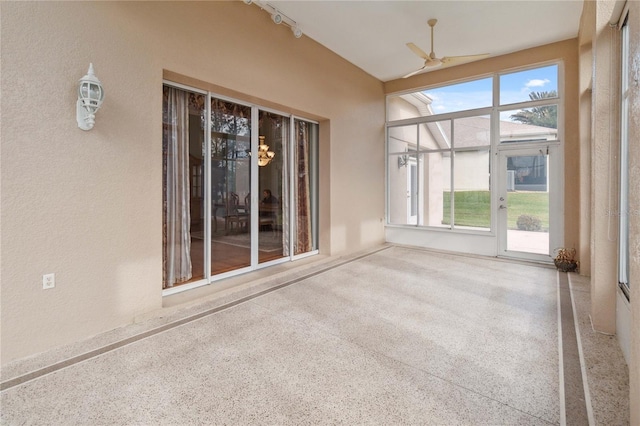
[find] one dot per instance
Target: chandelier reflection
(264, 155)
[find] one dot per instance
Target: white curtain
(177, 236)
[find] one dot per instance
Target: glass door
(526, 204)
(230, 185)
(183, 196)
(304, 185)
(240, 188)
(273, 213)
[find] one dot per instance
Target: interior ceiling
(373, 34)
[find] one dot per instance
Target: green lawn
(472, 208)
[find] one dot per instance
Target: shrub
(528, 223)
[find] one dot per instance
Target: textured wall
(604, 169)
(87, 205)
(599, 47)
(585, 39)
(634, 204)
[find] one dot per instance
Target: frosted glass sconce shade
(90, 97)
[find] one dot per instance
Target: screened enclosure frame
(491, 108)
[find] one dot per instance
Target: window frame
(493, 112)
(623, 202)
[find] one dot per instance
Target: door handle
(502, 207)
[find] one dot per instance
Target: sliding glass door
(230, 186)
(304, 187)
(183, 202)
(273, 212)
(235, 198)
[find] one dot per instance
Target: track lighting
(276, 16)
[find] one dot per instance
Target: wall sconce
(264, 155)
(90, 97)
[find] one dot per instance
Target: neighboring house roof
(475, 131)
(420, 101)
(512, 131)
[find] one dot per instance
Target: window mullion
(452, 202)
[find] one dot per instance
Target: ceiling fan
(431, 61)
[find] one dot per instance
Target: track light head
(276, 16)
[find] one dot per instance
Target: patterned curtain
(284, 200)
(177, 266)
(303, 211)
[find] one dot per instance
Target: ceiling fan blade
(415, 49)
(452, 60)
(432, 62)
(415, 72)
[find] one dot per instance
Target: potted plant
(565, 260)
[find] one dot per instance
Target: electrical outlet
(48, 281)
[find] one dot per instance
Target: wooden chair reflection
(236, 217)
(268, 217)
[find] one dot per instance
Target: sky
(514, 87)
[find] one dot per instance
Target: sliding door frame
(254, 189)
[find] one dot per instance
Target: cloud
(536, 82)
(444, 102)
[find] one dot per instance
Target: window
(529, 85)
(624, 208)
(529, 105)
(305, 187)
(240, 187)
(440, 140)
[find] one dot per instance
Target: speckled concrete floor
(401, 336)
(607, 372)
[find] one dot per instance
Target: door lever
(502, 207)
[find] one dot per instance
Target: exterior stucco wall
(587, 25)
(604, 172)
(634, 206)
(599, 118)
(87, 206)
